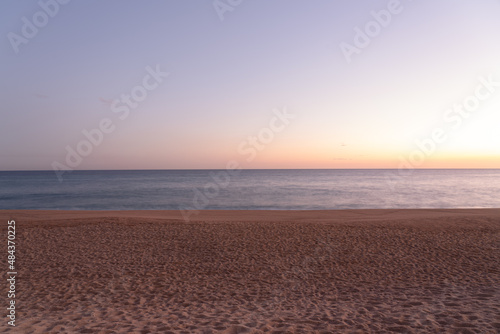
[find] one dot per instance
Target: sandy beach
(348, 271)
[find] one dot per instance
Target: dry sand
(353, 271)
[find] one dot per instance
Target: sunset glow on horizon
(287, 84)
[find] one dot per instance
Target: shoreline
(255, 215)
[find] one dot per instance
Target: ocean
(310, 189)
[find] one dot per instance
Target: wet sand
(349, 271)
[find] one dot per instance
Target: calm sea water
(250, 189)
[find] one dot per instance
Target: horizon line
(200, 169)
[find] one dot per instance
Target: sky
(186, 84)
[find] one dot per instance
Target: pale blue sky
(227, 76)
